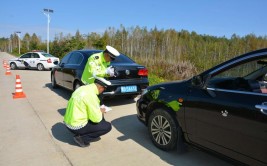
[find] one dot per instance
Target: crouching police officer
(97, 65)
(84, 117)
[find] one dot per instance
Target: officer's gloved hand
(110, 71)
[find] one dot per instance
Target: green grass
(154, 79)
(14, 54)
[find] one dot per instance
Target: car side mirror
(206, 81)
(197, 81)
(200, 81)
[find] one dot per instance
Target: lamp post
(10, 43)
(18, 33)
(47, 12)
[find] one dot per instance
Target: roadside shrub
(170, 70)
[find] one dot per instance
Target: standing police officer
(97, 65)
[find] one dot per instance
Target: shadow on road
(66, 94)
(61, 111)
(61, 133)
(133, 129)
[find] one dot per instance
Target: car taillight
(143, 72)
(49, 60)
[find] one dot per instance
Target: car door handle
(262, 107)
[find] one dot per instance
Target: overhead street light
(47, 13)
(18, 33)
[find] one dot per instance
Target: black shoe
(95, 139)
(79, 141)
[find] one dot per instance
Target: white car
(34, 60)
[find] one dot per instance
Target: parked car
(131, 80)
(223, 109)
(34, 60)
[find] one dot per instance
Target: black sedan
(131, 79)
(223, 109)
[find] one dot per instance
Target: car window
(123, 58)
(241, 70)
(89, 53)
(76, 58)
(46, 54)
(28, 55)
(34, 55)
(65, 59)
(120, 59)
(248, 76)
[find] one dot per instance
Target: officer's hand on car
(110, 71)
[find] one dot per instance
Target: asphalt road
(32, 132)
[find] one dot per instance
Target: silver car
(34, 60)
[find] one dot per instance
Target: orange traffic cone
(8, 70)
(4, 64)
(18, 93)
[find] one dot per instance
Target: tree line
(169, 54)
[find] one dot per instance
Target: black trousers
(93, 130)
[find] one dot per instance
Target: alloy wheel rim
(161, 130)
(40, 67)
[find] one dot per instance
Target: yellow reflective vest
(83, 105)
(96, 64)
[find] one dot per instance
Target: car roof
(88, 51)
(34, 52)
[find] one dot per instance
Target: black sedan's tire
(163, 130)
(77, 84)
(53, 82)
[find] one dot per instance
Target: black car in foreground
(223, 109)
(131, 79)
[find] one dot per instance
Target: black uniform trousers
(93, 130)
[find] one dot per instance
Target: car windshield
(47, 55)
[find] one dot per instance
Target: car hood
(13, 59)
(167, 85)
(168, 93)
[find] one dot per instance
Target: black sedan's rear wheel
(77, 84)
(163, 130)
(53, 81)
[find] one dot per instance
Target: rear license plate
(125, 89)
